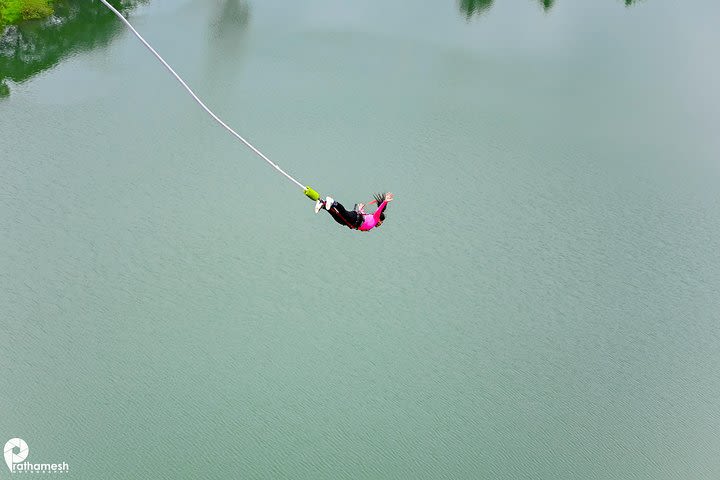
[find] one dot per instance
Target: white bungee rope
(307, 190)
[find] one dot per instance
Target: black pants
(343, 217)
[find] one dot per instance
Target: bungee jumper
(357, 219)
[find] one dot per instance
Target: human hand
(389, 197)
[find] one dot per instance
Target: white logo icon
(16, 450)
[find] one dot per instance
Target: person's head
(380, 198)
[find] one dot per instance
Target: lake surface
(541, 302)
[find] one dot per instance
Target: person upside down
(357, 219)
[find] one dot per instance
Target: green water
(541, 302)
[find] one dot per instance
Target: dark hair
(380, 198)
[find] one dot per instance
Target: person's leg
(342, 216)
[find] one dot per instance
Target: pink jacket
(371, 221)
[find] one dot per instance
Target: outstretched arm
(380, 209)
(388, 198)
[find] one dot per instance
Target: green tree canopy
(29, 48)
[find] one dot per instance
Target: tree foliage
(13, 11)
(29, 48)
